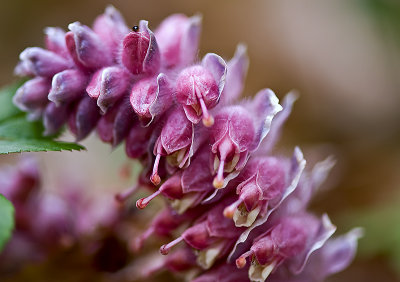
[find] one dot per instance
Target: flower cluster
(243, 212)
(47, 222)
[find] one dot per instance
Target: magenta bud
(23, 68)
(198, 237)
(285, 240)
(43, 62)
(106, 124)
(176, 138)
(55, 41)
(178, 39)
(137, 141)
(111, 28)
(32, 94)
(67, 86)
(114, 126)
(199, 88)
(171, 189)
(140, 52)
(232, 136)
(86, 48)
(108, 85)
(265, 181)
(151, 97)
(54, 117)
(85, 118)
(122, 123)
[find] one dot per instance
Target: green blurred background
(343, 57)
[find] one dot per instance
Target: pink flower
(151, 91)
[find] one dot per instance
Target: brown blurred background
(343, 57)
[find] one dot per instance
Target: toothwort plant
(238, 213)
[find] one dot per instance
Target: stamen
(241, 261)
(218, 182)
(127, 193)
(208, 120)
(230, 210)
(155, 178)
(167, 247)
(142, 203)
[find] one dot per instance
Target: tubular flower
(150, 90)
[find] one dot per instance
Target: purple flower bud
(265, 182)
(86, 48)
(151, 97)
(176, 138)
(208, 231)
(171, 189)
(297, 164)
(106, 124)
(196, 236)
(235, 76)
(291, 240)
(108, 85)
(238, 132)
(178, 39)
(84, 118)
(199, 88)
(138, 140)
(43, 62)
(140, 54)
(23, 68)
(123, 122)
(197, 177)
(232, 136)
(54, 118)
(111, 28)
(32, 94)
(55, 41)
(67, 86)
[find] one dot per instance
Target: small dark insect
(135, 28)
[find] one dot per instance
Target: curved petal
(297, 166)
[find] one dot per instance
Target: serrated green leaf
(6, 220)
(39, 145)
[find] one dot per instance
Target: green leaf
(19, 146)
(17, 134)
(6, 220)
(7, 108)
(20, 128)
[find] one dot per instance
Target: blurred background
(342, 56)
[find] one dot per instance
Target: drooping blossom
(229, 199)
